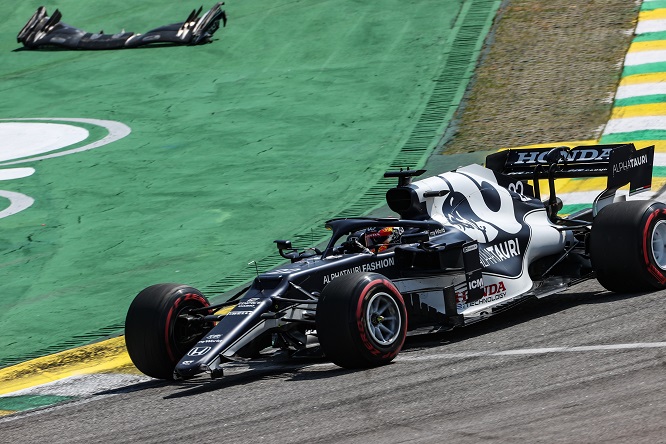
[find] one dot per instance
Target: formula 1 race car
(468, 244)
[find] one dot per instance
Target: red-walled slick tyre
(156, 335)
(628, 246)
(361, 320)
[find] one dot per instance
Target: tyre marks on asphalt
(70, 389)
(84, 388)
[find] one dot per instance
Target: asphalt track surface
(582, 366)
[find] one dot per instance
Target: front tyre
(156, 335)
(628, 246)
(361, 320)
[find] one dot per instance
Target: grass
(549, 74)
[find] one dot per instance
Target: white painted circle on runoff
(25, 139)
(16, 173)
(17, 203)
(28, 140)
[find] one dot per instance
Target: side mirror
(292, 254)
(283, 244)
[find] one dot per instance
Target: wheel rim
(184, 334)
(383, 319)
(659, 244)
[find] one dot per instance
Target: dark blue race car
(467, 244)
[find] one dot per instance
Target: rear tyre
(628, 246)
(155, 335)
(361, 320)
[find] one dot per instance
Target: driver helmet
(380, 238)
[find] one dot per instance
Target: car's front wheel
(628, 246)
(156, 333)
(361, 320)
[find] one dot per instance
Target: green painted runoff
(288, 118)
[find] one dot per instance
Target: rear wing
(621, 164)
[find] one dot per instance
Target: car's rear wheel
(361, 320)
(156, 335)
(628, 246)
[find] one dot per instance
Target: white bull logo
(480, 208)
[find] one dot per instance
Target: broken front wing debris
(43, 31)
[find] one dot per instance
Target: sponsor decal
(240, 313)
(250, 303)
(577, 155)
(372, 266)
(469, 248)
(187, 362)
(632, 167)
(476, 283)
(437, 232)
(630, 163)
(499, 252)
(280, 271)
(491, 292)
(199, 351)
